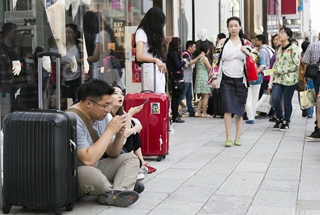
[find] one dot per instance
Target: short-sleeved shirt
(84, 139)
(312, 53)
(187, 75)
(142, 36)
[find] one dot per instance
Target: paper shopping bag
(307, 98)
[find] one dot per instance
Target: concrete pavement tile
(285, 163)
(309, 190)
(261, 210)
(238, 189)
(248, 177)
(275, 199)
(279, 185)
(164, 185)
(308, 205)
(187, 164)
(198, 194)
(124, 211)
(257, 158)
(227, 205)
(283, 173)
(176, 208)
(212, 181)
(288, 155)
(311, 159)
(149, 199)
(252, 166)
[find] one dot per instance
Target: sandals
(206, 116)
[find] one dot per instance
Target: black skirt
(234, 95)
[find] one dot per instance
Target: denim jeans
(188, 93)
(287, 92)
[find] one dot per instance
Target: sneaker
(183, 111)
(250, 121)
(118, 198)
(150, 168)
(278, 124)
(140, 177)
(284, 126)
(314, 136)
(138, 187)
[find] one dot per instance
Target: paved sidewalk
(273, 173)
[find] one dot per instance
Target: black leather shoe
(178, 120)
(192, 115)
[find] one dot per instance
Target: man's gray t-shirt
(187, 75)
(84, 139)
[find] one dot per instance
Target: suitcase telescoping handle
(154, 78)
(40, 57)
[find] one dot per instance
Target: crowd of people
(111, 163)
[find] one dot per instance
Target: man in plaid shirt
(312, 56)
(10, 77)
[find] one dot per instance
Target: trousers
(118, 173)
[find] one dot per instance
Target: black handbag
(312, 71)
(178, 85)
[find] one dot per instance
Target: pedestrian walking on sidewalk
(230, 76)
(285, 79)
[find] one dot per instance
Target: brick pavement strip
(273, 173)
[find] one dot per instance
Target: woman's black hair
(204, 47)
(288, 32)
(90, 29)
(239, 21)
(77, 33)
(120, 110)
(304, 46)
(175, 44)
(152, 24)
(272, 37)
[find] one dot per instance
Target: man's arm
(90, 155)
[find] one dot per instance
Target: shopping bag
(251, 69)
(307, 98)
(263, 104)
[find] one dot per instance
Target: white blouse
(232, 60)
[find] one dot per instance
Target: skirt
(234, 95)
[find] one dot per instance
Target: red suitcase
(155, 120)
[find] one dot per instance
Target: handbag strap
(220, 56)
(86, 121)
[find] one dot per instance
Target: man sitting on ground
(111, 179)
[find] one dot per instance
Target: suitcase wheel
(159, 158)
(57, 211)
(70, 206)
(6, 208)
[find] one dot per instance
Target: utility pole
(265, 18)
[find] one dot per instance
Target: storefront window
(97, 31)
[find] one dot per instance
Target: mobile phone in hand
(145, 101)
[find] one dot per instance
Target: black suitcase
(215, 104)
(39, 160)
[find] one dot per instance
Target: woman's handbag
(263, 104)
(307, 98)
(178, 85)
(252, 73)
(312, 71)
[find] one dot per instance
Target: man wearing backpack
(312, 56)
(266, 52)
